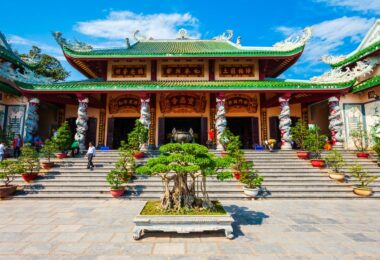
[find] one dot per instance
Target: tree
(47, 65)
(29, 159)
(138, 136)
(360, 138)
(299, 132)
(63, 139)
(314, 142)
(182, 164)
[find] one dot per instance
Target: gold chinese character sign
(128, 71)
(124, 103)
(182, 103)
(182, 70)
(241, 103)
(237, 70)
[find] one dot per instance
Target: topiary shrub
(63, 139)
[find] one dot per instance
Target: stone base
(286, 146)
(183, 224)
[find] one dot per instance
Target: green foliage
(360, 138)
(126, 163)
(138, 136)
(361, 176)
(48, 149)
(63, 139)
(314, 142)
(376, 148)
(299, 132)
(6, 136)
(228, 138)
(9, 170)
(47, 66)
(251, 178)
(334, 160)
(115, 178)
(29, 159)
(154, 208)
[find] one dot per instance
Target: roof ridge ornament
(294, 41)
(4, 43)
(75, 46)
(182, 34)
(139, 38)
(226, 36)
(27, 76)
(362, 68)
(330, 59)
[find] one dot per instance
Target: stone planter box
(183, 224)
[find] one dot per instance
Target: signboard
(236, 70)
(15, 119)
(182, 103)
(241, 103)
(124, 103)
(182, 70)
(128, 71)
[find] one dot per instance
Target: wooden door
(91, 131)
(255, 131)
(110, 130)
(204, 128)
(161, 131)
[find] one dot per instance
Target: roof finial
(182, 33)
(224, 36)
(238, 41)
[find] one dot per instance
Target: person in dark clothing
(17, 144)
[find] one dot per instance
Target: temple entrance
(274, 130)
(118, 129)
(245, 127)
(167, 124)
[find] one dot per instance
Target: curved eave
(358, 55)
(209, 86)
(7, 88)
(14, 59)
(369, 83)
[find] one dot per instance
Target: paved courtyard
(98, 229)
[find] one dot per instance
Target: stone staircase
(286, 177)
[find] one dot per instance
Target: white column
(31, 123)
(145, 118)
(220, 121)
(81, 122)
(285, 122)
(335, 122)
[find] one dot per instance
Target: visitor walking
(2, 151)
(17, 144)
(90, 155)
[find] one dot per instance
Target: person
(17, 144)
(37, 141)
(90, 155)
(2, 151)
(75, 148)
(54, 133)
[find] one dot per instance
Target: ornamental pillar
(152, 126)
(335, 122)
(145, 117)
(285, 122)
(81, 122)
(220, 120)
(31, 123)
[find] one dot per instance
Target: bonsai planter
(251, 192)
(183, 224)
(47, 165)
(336, 176)
(61, 155)
(139, 155)
(6, 191)
(303, 155)
(362, 155)
(318, 163)
(117, 193)
(237, 175)
(28, 177)
(365, 192)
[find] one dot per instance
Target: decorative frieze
(124, 103)
(182, 70)
(182, 103)
(241, 103)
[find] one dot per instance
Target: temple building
(192, 85)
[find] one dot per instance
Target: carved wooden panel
(182, 103)
(129, 71)
(182, 70)
(236, 70)
(241, 103)
(124, 103)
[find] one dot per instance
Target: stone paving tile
(71, 248)
(202, 248)
(37, 249)
(169, 249)
(68, 237)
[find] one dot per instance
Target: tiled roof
(369, 83)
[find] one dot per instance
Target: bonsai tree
(250, 177)
(138, 137)
(361, 177)
(126, 163)
(314, 142)
(360, 138)
(227, 138)
(30, 160)
(116, 179)
(48, 149)
(9, 171)
(334, 160)
(181, 165)
(63, 139)
(299, 133)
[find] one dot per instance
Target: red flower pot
(6, 191)
(117, 193)
(362, 155)
(47, 165)
(61, 155)
(29, 176)
(318, 163)
(303, 155)
(237, 175)
(139, 155)
(224, 154)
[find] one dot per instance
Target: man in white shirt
(2, 151)
(90, 155)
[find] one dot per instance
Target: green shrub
(9, 171)
(63, 139)
(138, 136)
(48, 149)
(360, 138)
(116, 179)
(29, 159)
(299, 133)
(335, 160)
(314, 142)
(361, 176)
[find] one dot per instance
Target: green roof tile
(369, 83)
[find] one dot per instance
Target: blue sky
(338, 25)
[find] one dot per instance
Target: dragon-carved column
(335, 122)
(81, 122)
(220, 120)
(145, 117)
(285, 122)
(31, 123)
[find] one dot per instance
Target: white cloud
(355, 5)
(122, 24)
(328, 38)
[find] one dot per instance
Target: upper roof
(369, 45)
(9, 55)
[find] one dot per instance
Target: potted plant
(299, 133)
(314, 143)
(137, 138)
(127, 162)
(63, 140)
(335, 161)
(9, 170)
(116, 179)
(229, 141)
(360, 139)
(363, 179)
(251, 179)
(31, 163)
(48, 151)
(376, 149)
